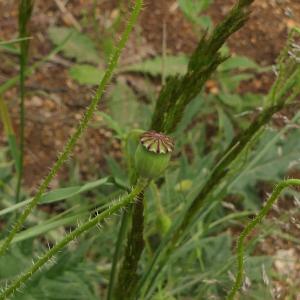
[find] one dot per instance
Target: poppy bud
(153, 154)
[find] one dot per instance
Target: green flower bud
(153, 154)
(164, 223)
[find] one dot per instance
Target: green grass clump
(173, 240)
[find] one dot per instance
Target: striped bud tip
(157, 142)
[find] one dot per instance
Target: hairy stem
(117, 253)
(25, 10)
(116, 206)
(80, 128)
(250, 226)
(135, 245)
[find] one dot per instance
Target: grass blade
(25, 10)
(9, 132)
(59, 194)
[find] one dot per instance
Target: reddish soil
(54, 102)
(52, 95)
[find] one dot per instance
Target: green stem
(116, 206)
(135, 245)
(240, 244)
(25, 9)
(118, 248)
(80, 128)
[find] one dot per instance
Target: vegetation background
(61, 87)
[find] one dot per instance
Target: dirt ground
(54, 102)
(52, 95)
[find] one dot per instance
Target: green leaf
(9, 45)
(126, 109)
(253, 267)
(230, 82)
(190, 113)
(73, 276)
(193, 8)
(86, 74)
(171, 65)
(13, 263)
(9, 131)
(205, 22)
(46, 227)
(239, 104)
(270, 161)
(225, 127)
(117, 170)
(60, 194)
(238, 62)
(9, 48)
(79, 46)
(233, 100)
(216, 250)
(112, 124)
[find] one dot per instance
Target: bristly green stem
(117, 253)
(116, 206)
(25, 10)
(240, 244)
(128, 276)
(81, 126)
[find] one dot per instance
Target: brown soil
(52, 95)
(55, 103)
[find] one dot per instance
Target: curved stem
(116, 206)
(240, 244)
(80, 128)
